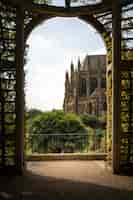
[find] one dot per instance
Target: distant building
(85, 87)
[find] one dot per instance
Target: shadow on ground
(35, 187)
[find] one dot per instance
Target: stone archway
(17, 20)
(89, 19)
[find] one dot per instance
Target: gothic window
(105, 106)
(83, 87)
(93, 84)
(103, 84)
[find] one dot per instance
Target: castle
(85, 87)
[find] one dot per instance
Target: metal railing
(64, 143)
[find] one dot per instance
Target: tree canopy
(56, 122)
(54, 132)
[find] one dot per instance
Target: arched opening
(17, 19)
(79, 91)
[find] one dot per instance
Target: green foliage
(56, 131)
(98, 125)
(56, 122)
(89, 120)
(100, 133)
(33, 113)
(93, 121)
(44, 125)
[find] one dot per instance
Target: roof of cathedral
(92, 63)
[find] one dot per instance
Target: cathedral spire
(72, 67)
(72, 77)
(67, 84)
(79, 64)
(67, 76)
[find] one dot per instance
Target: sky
(52, 47)
(77, 3)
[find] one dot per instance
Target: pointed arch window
(93, 84)
(83, 91)
(103, 84)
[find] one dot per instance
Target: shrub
(57, 122)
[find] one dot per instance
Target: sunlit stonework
(85, 88)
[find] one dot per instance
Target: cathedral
(85, 86)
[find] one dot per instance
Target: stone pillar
(19, 89)
(116, 57)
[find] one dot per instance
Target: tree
(90, 120)
(98, 126)
(52, 132)
(93, 121)
(33, 113)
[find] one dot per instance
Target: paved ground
(67, 180)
